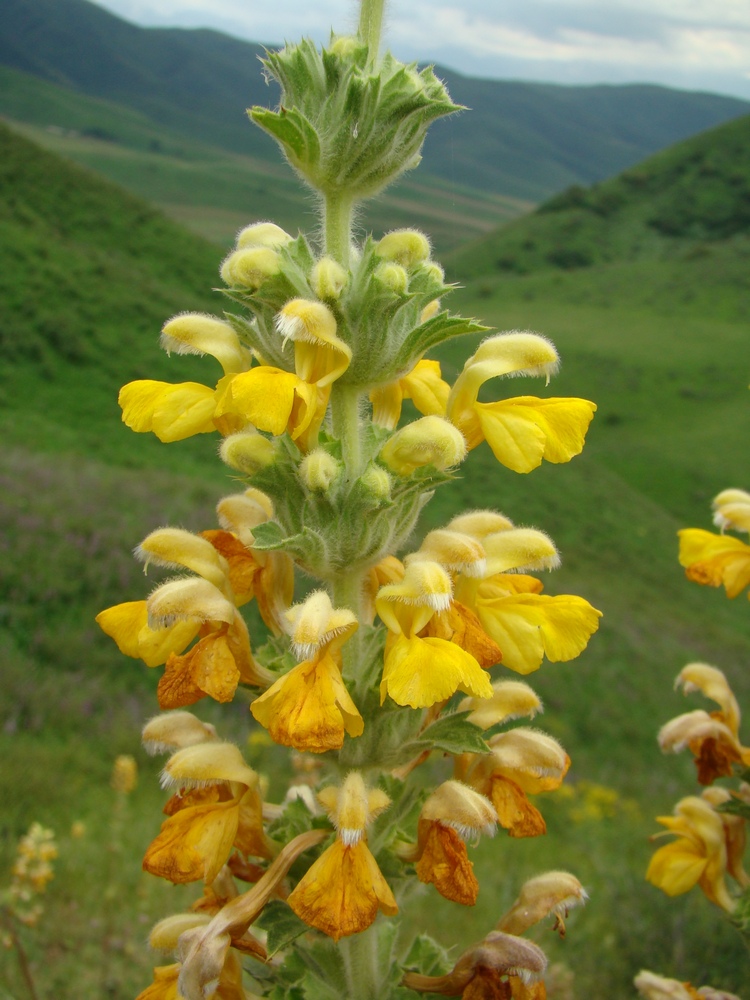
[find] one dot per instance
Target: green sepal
(428, 957)
(281, 924)
(435, 331)
(294, 133)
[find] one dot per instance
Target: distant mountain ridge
(524, 140)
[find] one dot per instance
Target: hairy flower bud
(262, 234)
(318, 470)
(249, 268)
(429, 441)
(393, 276)
(407, 247)
(328, 279)
(247, 451)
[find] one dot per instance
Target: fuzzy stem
(371, 24)
(345, 417)
(360, 955)
(337, 226)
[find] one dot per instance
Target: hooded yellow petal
(194, 843)
(343, 891)
(309, 708)
(524, 430)
(172, 412)
(527, 627)
(420, 672)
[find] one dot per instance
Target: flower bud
(407, 247)
(377, 482)
(247, 451)
(262, 234)
(428, 441)
(352, 806)
(344, 45)
(328, 279)
(174, 731)
(315, 623)
(393, 276)
(249, 268)
(318, 470)
(430, 310)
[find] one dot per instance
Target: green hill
(88, 273)
(522, 140)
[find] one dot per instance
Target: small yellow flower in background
(31, 873)
(344, 889)
(77, 829)
(654, 987)
(124, 774)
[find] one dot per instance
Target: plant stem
(371, 24)
(337, 226)
(23, 960)
(360, 955)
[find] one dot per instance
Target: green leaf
(282, 925)
(428, 957)
(735, 807)
(454, 734)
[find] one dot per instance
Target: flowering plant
(321, 343)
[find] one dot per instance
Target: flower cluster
(710, 829)
(319, 349)
(32, 871)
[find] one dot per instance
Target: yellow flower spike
(510, 700)
(528, 626)
(328, 279)
(203, 764)
(453, 814)
(247, 451)
(501, 967)
(172, 412)
(320, 357)
(262, 234)
(456, 551)
(407, 247)
(552, 893)
(128, 625)
(250, 267)
(175, 548)
(429, 441)
(713, 560)
(423, 385)
(197, 333)
(315, 623)
(520, 550)
(480, 523)
(319, 470)
(735, 833)
(188, 599)
(344, 889)
(165, 934)
(732, 510)
(172, 731)
(271, 399)
(713, 744)
(712, 683)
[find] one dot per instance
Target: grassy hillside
(522, 140)
(87, 276)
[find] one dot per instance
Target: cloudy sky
(692, 44)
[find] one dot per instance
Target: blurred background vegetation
(640, 278)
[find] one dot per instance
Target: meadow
(657, 341)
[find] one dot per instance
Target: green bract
(346, 125)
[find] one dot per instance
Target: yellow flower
(309, 708)
(697, 857)
(732, 510)
(714, 560)
(524, 430)
(344, 889)
(422, 384)
(271, 399)
(551, 893)
(453, 814)
(223, 811)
